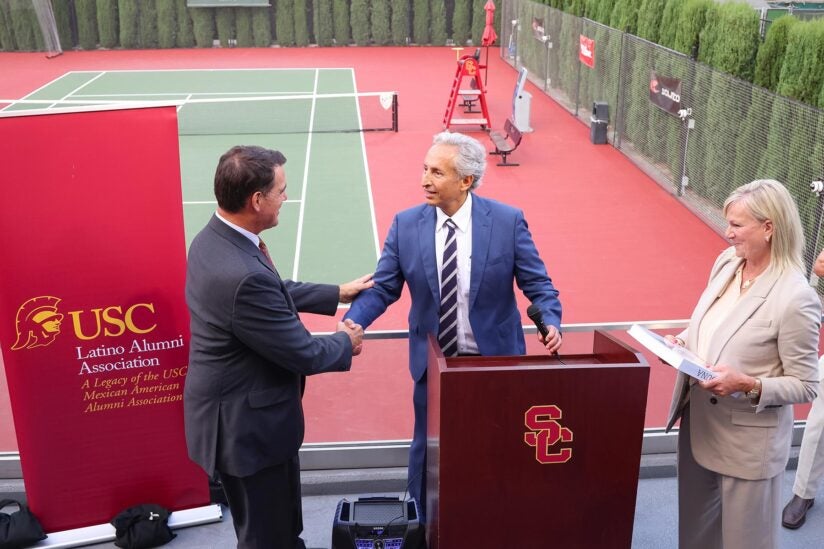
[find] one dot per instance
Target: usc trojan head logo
(545, 432)
(37, 322)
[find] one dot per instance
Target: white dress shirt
(463, 237)
(248, 234)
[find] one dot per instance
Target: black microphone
(536, 316)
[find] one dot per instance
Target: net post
(395, 112)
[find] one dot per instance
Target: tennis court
(313, 116)
(617, 245)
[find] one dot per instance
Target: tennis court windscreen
(343, 112)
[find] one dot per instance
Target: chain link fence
(729, 132)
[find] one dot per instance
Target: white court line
(262, 69)
(299, 238)
(219, 94)
(184, 102)
(368, 178)
(78, 88)
(50, 83)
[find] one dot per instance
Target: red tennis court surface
(617, 246)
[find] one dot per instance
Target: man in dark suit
(250, 352)
(492, 248)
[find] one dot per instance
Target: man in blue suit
(494, 247)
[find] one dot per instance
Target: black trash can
(598, 123)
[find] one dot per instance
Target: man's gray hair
(471, 157)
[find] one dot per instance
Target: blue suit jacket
(502, 251)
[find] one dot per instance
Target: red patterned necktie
(265, 251)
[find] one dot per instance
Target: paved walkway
(656, 525)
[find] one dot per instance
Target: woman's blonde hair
(767, 199)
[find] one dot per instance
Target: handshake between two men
(348, 292)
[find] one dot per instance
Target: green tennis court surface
(327, 230)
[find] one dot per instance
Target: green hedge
(461, 18)
(225, 25)
(128, 22)
(7, 41)
(301, 24)
(62, 17)
(420, 22)
(185, 28)
(689, 24)
(166, 23)
(730, 39)
(323, 22)
(771, 53)
(381, 22)
(400, 22)
(437, 13)
(624, 16)
(203, 26)
(87, 27)
(261, 27)
(24, 26)
(108, 23)
(669, 23)
(723, 35)
(285, 22)
(801, 73)
(343, 29)
(650, 14)
(359, 13)
(147, 23)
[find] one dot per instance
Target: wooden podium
(535, 451)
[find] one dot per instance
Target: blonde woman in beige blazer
(756, 325)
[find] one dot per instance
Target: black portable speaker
(377, 522)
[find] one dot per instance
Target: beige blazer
(772, 334)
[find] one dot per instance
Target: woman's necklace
(746, 283)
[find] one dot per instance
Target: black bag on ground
(20, 528)
(142, 526)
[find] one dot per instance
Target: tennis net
(341, 112)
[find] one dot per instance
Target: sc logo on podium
(545, 432)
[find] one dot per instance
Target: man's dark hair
(242, 171)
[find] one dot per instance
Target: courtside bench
(506, 142)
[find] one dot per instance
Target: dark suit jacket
(502, 252)
(249, 353)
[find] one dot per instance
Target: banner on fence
(93, 323)
(586, 51)
(665, 92)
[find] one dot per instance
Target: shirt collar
(462, 217)
(250, 235)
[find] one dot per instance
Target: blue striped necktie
(448, 327)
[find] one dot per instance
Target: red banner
(586, 51)
(93, 323)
